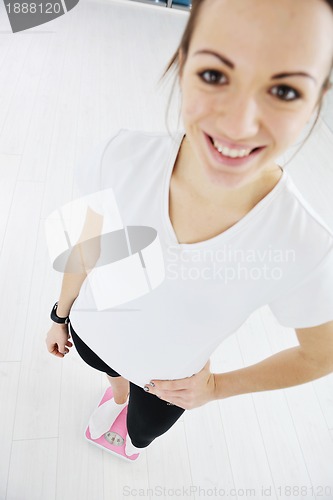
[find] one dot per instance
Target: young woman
(235, 232)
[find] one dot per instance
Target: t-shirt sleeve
(309, 303)
(88, 181)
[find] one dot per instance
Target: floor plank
(9, 382)
(35, 460)
(16, 264)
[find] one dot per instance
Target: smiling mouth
(251, 151)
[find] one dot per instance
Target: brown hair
(184, 47)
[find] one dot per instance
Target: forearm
(81, 261)
(284, 369)
(70, 289)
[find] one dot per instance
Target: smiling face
(248, 94)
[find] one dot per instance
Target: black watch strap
(56, 318)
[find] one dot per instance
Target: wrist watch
(56, 318)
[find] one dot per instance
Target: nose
(239, 118)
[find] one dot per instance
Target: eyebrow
(231, 65)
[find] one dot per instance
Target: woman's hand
(187, 393)
(57, 340)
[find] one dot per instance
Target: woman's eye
(286, 93)
(283, 92)
(215, 76)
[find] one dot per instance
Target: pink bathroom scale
(114, 440)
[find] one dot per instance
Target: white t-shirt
(280, 254)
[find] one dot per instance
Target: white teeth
(233, 153)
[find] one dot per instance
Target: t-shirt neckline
(219, 238)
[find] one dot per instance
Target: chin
(227, 180)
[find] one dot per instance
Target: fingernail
(146, 388)
(152, 384)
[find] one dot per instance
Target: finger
(175, 397)
(52, 348)
(56, 353)
(56, 350)
(167, 385)
(171, 395)
(62, 349)
(176, 402)
(69, 344)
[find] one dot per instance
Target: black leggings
(147, 415)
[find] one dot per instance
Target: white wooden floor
(63, 86)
